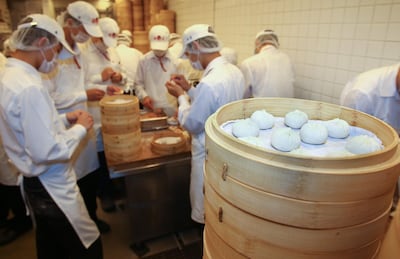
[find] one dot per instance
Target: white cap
(46, 23)
(87, 15)
(109, 28)
(196, 32)
(159, 37)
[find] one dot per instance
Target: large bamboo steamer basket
(146, 14)
(141, 41)
(216, 248)
(138, 15)
(390, 248)
(120, 128)
(123, 13)
(167, 18)
(245, 175)
(256, 237)
(307, 214)
(337, 179)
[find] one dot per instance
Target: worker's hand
(94, 94)
(148, 103)
(107, 73)
(86, 120)
(181, 81)
(72, 117)
(116, 77)
(112, 89)
(174, 89)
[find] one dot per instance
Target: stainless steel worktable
(157, 189)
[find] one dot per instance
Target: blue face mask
(48, 66)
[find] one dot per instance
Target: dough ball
(285, 139)
(314, 133)
(256, 141)
(362, 144)
(263, 119)
(245, 128)
(338, 128)
(295, 119)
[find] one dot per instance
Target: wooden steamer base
(269, 204)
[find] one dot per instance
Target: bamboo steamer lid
(123, 14)
(120, 128)
(141, 41)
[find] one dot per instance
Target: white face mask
(48, 66)
(196, 64)
(159, 53)
(81, 37)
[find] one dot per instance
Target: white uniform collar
(215, 62)
(26, 66)
(267, 47)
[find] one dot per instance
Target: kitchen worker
(155, 69)
(66, 85)
(101, 65)
(268, 73)
(40, 143)
(129, 57)
(230, 55)
(221, 83)
(376, 92)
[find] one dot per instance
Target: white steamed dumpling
(245, 128)
(285, 139)
(263, 119)
(338, 128)
(314, 133)
(296, 119)
(362, 144)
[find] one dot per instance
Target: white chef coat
(150, 81)
(269, 73)
(37, 141)
(66, 87)
(374, 92)
(221, 83)
(93, 63)
(3, 60)
(129, 58)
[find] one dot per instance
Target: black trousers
(55, 236)
(11, 200)
(105, 187)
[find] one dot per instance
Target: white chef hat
(87, 15)
(159, 37)
(36, 26)
(110, 30)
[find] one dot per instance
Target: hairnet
(208, 44)
(267, 36)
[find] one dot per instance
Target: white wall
(329, 41)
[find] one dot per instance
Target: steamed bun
(285, 139)
(362, 144)
(314, 133)
(263, 119)
(338, 128)
(295, 119)
(245, 128)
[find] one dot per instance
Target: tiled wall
(329, 41)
